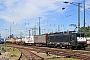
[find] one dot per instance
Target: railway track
(27, 51)
(30, 55)
(82, 55)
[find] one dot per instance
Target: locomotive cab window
(80, 35)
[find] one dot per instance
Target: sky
(17, 17)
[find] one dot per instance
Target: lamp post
(78, 13)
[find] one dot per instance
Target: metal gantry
(77, 4)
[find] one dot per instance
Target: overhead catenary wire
(55, 24)
(62, 25)
(12, 9)
(18, 15)
(67, 17)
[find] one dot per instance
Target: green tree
(86, 30)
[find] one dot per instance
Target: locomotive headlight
(58, 43)
(68, 43)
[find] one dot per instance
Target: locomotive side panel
(58, 40)
(64, 38)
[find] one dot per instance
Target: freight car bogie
(67, 46)
(28, 44)
(81, 47)
(55, 45)
(40, 44)
(51, 46)
(77, 47)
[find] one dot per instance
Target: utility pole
(58, 28)
(29, 33)
(35, 30)
(32, 31)
(84, 13)
(39, 26)
(21, 34)
(84, 17)
(0, 34)
(78, 17)
(10, 32)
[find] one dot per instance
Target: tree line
(86, 30)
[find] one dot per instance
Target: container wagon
(41, 40)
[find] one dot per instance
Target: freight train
(67, 40)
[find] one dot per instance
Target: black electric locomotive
(68, 40)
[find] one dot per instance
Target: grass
(13, 52)
(52, 57)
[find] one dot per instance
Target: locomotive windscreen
(80, 35)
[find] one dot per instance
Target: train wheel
(72, 48)
(84, 48)
(60, 46)
(67, 47)
(48, 45)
